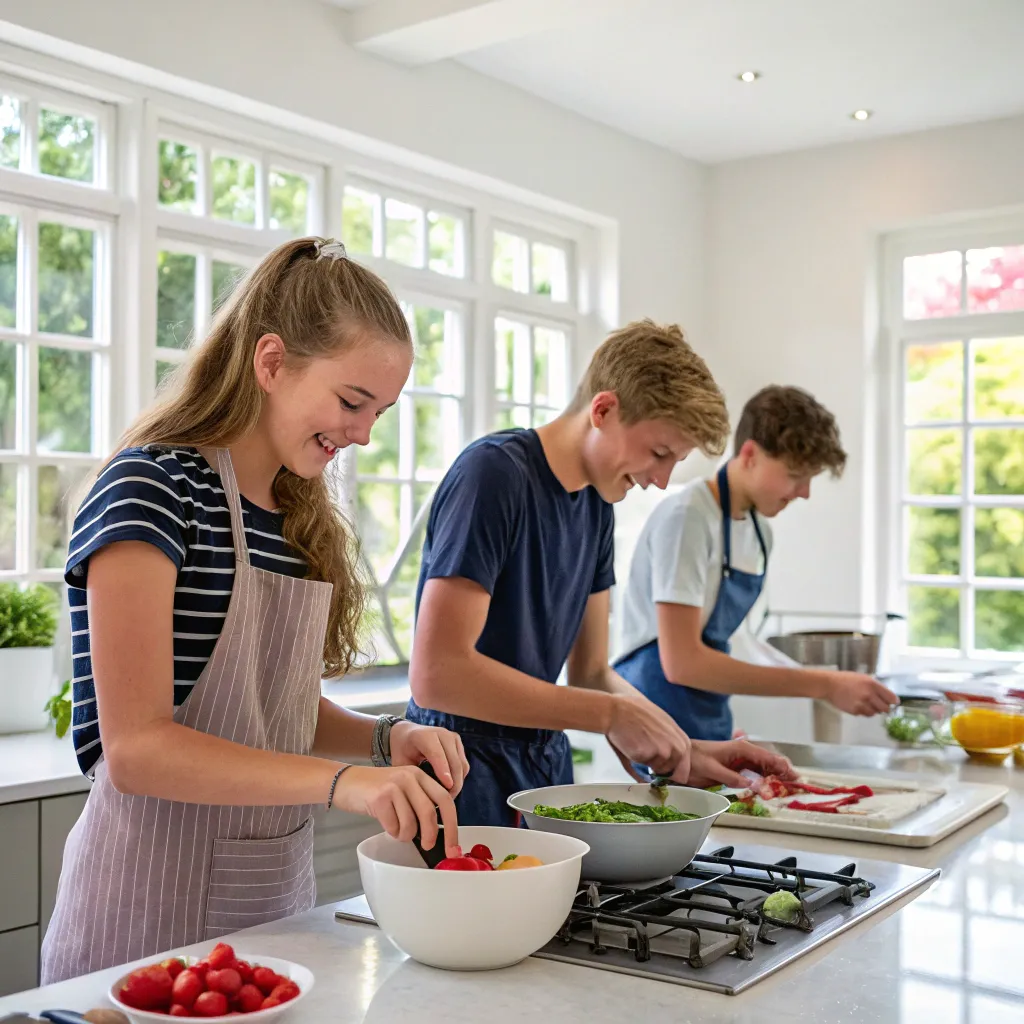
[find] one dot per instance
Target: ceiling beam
(424, 31)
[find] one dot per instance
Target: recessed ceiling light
(861, 115)
(749, 76)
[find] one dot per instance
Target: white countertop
(37, 764)
(938, 959)
(34, 765)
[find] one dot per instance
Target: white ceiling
(665, 70)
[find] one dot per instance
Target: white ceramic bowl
(302, 976)
(472, 920)
(636, 852)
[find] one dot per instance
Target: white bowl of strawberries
(217, 987)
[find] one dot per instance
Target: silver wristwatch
(380, 743)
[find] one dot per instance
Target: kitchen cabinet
(19, 959)
(336, 834)
(19, 865)
(33, 834)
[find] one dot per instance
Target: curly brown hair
(792, 425)
(656, 375)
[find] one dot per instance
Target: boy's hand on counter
(413, 744)
(858, 694)
(721, 762)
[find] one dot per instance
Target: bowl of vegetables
(919, 722)
(490, 908)
(217, 987)
(635, 832)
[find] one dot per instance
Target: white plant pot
(26, 684)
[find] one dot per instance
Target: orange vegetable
(988, 728)
(520, 861)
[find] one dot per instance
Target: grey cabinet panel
(19, 960)
(19, 865)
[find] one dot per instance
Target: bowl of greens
(636, 832)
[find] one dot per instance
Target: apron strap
(726, 503)
(227, 478)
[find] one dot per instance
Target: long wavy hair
(319, 306)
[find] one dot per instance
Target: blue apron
(503, 759)
(704, 715)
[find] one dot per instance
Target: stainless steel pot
(849, 651)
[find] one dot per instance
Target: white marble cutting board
(907, 812)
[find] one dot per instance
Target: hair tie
(331, 249)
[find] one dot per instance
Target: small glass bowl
(988, 731)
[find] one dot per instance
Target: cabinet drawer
(19, 960)
(19, 865)
(57, 816)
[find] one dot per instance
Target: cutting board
(934, 810)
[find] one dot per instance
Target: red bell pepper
(825, 806)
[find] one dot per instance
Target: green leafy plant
(58, 707)
(28, 618)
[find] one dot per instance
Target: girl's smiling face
(314, 409)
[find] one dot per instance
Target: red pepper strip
(807, 787)
(826, 806)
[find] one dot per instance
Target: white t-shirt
(678, 560)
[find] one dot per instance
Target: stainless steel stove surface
(706, 928)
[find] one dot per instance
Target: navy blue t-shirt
(502, 519)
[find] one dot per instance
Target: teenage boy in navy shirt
(516, 573)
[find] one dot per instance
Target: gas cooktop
(706, 927)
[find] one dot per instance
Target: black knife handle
(436, 853)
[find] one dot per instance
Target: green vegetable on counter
(614, 812)
(782, 906)
(59, 708)
(907, 729)
(755, 810)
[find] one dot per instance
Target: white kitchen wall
(793, 246)
(293, 56)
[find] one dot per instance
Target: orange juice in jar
(987, 731)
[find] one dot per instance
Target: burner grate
(711, 909)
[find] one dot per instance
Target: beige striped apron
(142, 875)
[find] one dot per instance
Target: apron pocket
(258, 880)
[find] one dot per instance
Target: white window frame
(480, 302)
(131, 119)
(34, 198)
(897, 334)
(32, 97)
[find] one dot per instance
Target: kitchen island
(951, 956)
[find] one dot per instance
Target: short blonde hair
(656, 375)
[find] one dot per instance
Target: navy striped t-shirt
(171, 498)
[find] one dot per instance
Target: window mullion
(30, 136)
(31, 396)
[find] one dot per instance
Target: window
(960, 333)
(220, 207)
(127, 217)
(509, 328)
(56, 235)
(409, 232)
(531, 373)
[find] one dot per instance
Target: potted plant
(28, 627)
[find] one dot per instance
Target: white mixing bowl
(472, 920)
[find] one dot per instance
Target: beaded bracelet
(337, 775)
